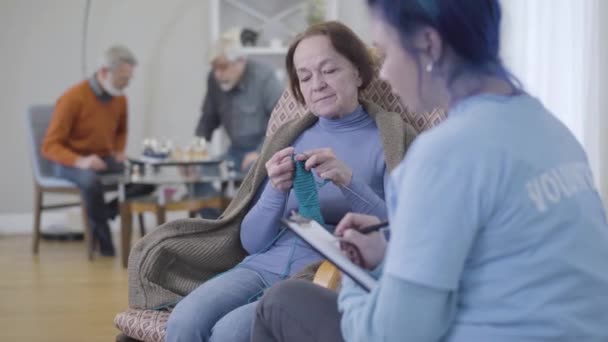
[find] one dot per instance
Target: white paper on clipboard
(328, 245)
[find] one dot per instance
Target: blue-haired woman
(498, 231)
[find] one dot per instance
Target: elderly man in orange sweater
(88, 133)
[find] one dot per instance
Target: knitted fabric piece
(305, 188)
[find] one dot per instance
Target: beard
(226, 85)
(108, 86)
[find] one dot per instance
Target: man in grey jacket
(241, 94)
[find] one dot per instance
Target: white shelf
(265, 50)
(244, 6)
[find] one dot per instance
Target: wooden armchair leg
(37, 213)
(124, 338)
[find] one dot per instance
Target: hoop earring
(429, 67)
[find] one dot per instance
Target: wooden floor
(58, 295)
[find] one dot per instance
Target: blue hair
(471, 28)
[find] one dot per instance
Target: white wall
(40, 45)
(38, 57)
(354, 13)
(603, 106)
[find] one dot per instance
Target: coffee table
(165, 175)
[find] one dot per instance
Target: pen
(373, 227)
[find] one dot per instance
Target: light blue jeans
(221, 309)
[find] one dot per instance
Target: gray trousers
(297, 310)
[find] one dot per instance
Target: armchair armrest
(327, 276)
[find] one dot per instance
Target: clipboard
(328, 245)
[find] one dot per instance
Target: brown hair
(344, 41)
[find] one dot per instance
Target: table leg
(225, 202)
(125, 231)
(160, 215)
(142, 224)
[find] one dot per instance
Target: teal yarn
(306, 191)
(431, 8)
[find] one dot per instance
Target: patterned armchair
(149, 325)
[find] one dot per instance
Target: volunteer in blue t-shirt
(498, 232)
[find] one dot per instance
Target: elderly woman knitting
(327, 65)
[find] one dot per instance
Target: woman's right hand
(371, 247)
(280, 168)
(91, 162)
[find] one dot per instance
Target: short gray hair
(228, 45)
(116, 55)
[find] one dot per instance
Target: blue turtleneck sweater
(356, 141)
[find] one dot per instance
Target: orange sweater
(82, 125)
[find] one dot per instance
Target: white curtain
(556, 49)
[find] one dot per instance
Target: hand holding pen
(360, 239)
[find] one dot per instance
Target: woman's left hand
(327, 165)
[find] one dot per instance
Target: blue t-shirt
(498, 205)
